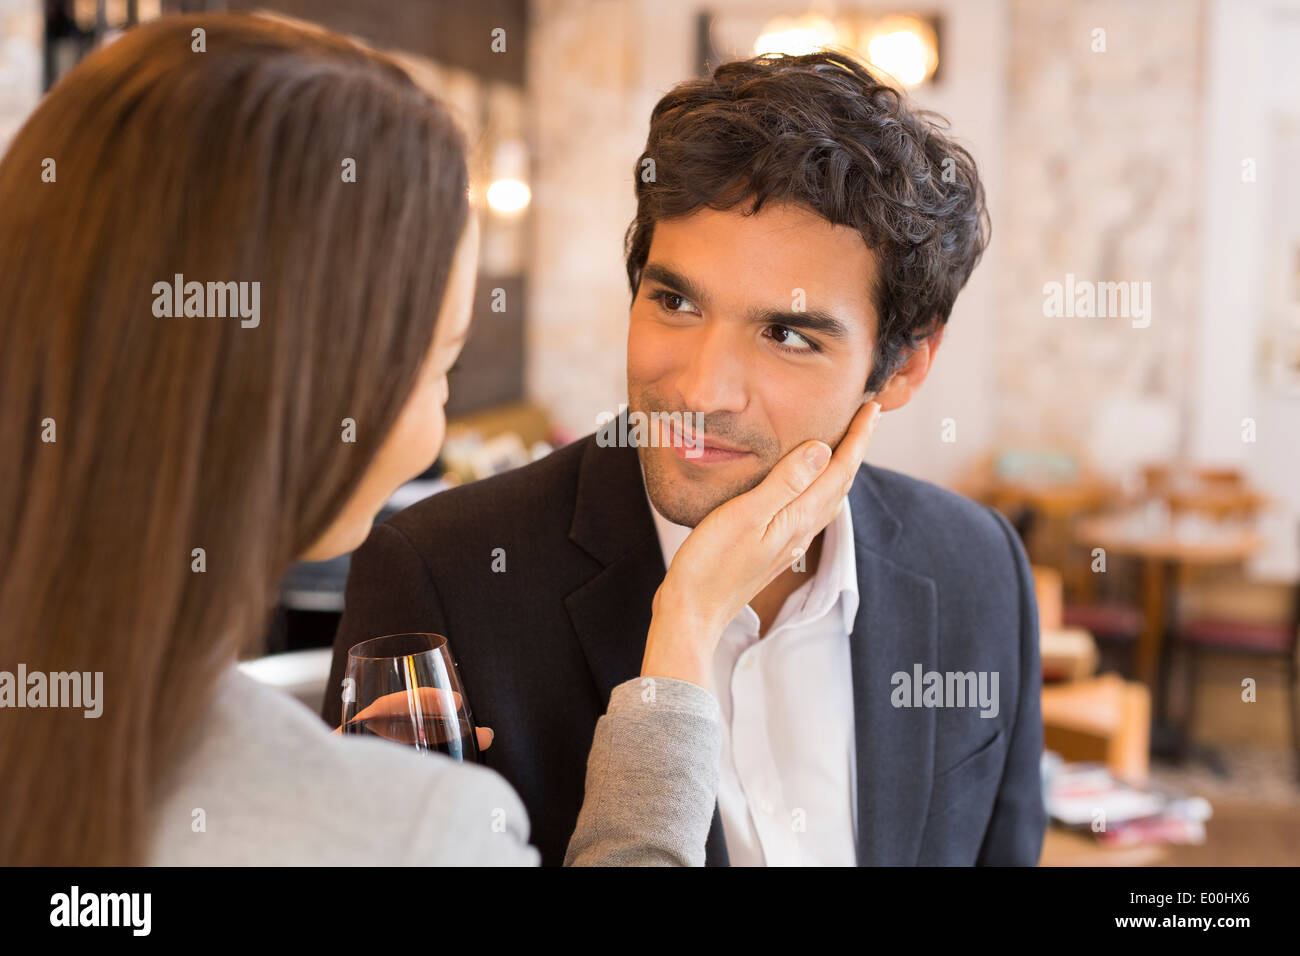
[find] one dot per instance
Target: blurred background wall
(1151, 143)
(21, 27)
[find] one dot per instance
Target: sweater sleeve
(652, 777)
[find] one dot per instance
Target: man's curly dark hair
(821, 131)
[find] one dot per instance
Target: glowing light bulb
(796, 36)
(904, 47)
(509, 196)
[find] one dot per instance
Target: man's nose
(713, 376)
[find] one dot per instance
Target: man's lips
(702, 448)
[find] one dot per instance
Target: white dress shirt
(788, 793)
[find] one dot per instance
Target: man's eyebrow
(810, 320)
(666, 276)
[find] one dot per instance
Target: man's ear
(902, 385)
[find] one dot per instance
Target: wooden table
(1217, 492)
(1056, 504)
(1218, 501)
(1163, 548)
(1050, 498)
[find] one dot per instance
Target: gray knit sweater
(263, 782)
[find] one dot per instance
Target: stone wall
(1102, 163)
(587, 133)
(21, 27)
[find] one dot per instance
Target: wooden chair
(1280, 641)
(1110, 617)
(1221, 477)
(1104, 719)
(1107, 619)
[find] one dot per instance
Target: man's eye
(672, 302)
(789, 339)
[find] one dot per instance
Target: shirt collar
(837, 571)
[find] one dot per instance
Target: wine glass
(406, 688)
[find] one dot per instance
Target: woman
(236, 274)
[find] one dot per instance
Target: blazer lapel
(611, 612)
(612, 523)
(894, 630)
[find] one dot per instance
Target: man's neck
(768, 602)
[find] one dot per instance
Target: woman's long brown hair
(175, 434)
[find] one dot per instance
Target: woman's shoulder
(263, 781)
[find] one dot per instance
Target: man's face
(763, 324)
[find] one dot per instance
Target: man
(801, 235)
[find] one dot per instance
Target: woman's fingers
(430, 701)
(792, 529)
(803, 489)
(789, 478)
(823, 498)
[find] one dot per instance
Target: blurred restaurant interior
(1148, 456)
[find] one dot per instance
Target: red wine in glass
(405, 688)
(456, 740)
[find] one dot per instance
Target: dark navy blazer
(943, 583)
